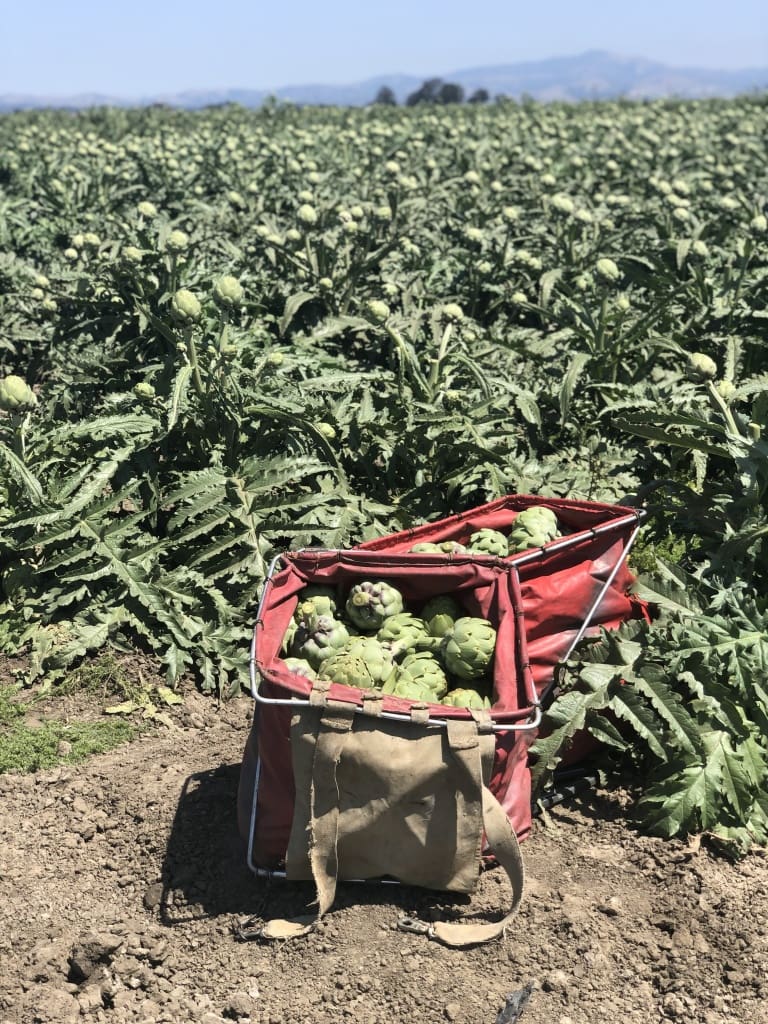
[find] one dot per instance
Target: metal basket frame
(513, 565)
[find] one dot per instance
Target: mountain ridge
(594, 74)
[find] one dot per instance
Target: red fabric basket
(487, 589)
(538, 601)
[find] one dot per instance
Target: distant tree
(426, 93)
(450, 93)
(479, 96)
(386, 97)
(435, 90)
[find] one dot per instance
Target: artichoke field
(227, 333)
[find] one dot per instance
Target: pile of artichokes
(534, 527)
(367, 639)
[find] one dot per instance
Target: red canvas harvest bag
(339, 782)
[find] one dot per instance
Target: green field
(239, 331)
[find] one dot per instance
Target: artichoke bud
(144, 391)
(300, 667)
(452, 547)
(699, 368)
(318, 638)
(426, 548)
(607, 270)
(147, 209)
(489, 542)
(453, 312)
(327, 430)
(401, 632)
(131, 254)
(16, 395)
(440, 614)
(376, 311)
(462, 697)
(186, 307)
(177, 241)
(227, 292)
(307, 214)
(468, 649)
(423, 668)
(533, 527)
(370, 603)
(726, 389)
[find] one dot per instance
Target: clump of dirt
(123, 883)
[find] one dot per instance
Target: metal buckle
(415, 927)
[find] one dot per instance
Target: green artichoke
(362, 662)
(16, 395)
(318, 599)
(227, 292)
(177, 241)
(465, 698)
(300, 667)
(533, 527)
(144, 391)
(313, 590)
(289, 635)
(147, 209)
(318, 637)
(700, 367)
(410, 689)
(607, 270)
(423, 669)
(489, 542)
(370, 603)
(452, 547)
(440, 614)
(426, 548)
(376, 310)
(185, 307)
(401, 632)
(468, 649)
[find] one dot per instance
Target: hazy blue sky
(136, 47)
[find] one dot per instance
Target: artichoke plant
(468, 649)
(370, 603)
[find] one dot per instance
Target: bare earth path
(122, 881)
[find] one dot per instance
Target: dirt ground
(122, 883)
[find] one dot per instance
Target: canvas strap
(471, 746)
